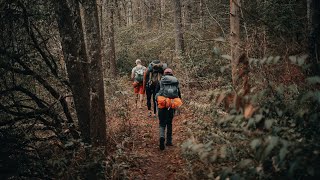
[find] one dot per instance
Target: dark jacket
(162, 81)
(146, 78)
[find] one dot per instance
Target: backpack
(169, 87)
(139, 75)
(156, 70)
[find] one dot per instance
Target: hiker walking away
(151, 83)
(168, 99)
(137, 77)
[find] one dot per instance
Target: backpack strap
(150, 75)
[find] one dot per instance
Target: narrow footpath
(166, 164)
(147, 160)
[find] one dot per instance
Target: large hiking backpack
(156, 69)
(139, 74)
(169, 87)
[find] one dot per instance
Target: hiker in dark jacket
(169, 91)
(152, 77)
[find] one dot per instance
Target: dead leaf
(220, 98)
(249, 110)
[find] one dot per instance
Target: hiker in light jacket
(137, 74)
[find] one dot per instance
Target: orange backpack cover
(164, 102)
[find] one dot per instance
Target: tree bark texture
(239, 60)
(111, 41)
(162, 12)
(188, 14)
(73, 46)
(97, 105)
(314, 36)
(130, 14)
(201, 13)
(179, 41)
(118, 12)
(234, 38)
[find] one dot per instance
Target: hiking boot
(169, 144)
(162, 143)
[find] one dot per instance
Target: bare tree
(129, 14)
(118, 12)
(314, 36)
(73, 46)
(179, 41)
(188, 14)
(239, 60)
(111, 41)
(234, 37)
(201, 13)
(97, 105)
(162, 11)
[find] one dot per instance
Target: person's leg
(156, 89)
(170, 115)
(141, 93)
(154, 101)
(149, 95)
(141, 100)
(136, 94)
(162, 127)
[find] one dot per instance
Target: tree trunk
(314, 36)
(235, 38)
(73, 46)
(118, 12)
(130, 14)
(239, 61)
(111, 42)
(148, 13)
(162, 12)
(188, 14)
(179, 41)
(97, 105)
(201, 14)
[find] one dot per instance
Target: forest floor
(140, 145)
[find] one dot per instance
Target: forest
(248, 73)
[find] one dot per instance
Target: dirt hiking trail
(147, 160)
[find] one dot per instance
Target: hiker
(151, 83)
(137, 77)
(168, 99)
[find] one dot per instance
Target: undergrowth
(279, 139)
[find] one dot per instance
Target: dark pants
(165, 121)
(151, 92)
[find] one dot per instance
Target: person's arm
(159, 89)
(132, 73)
(145, 78)
(179, 92)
